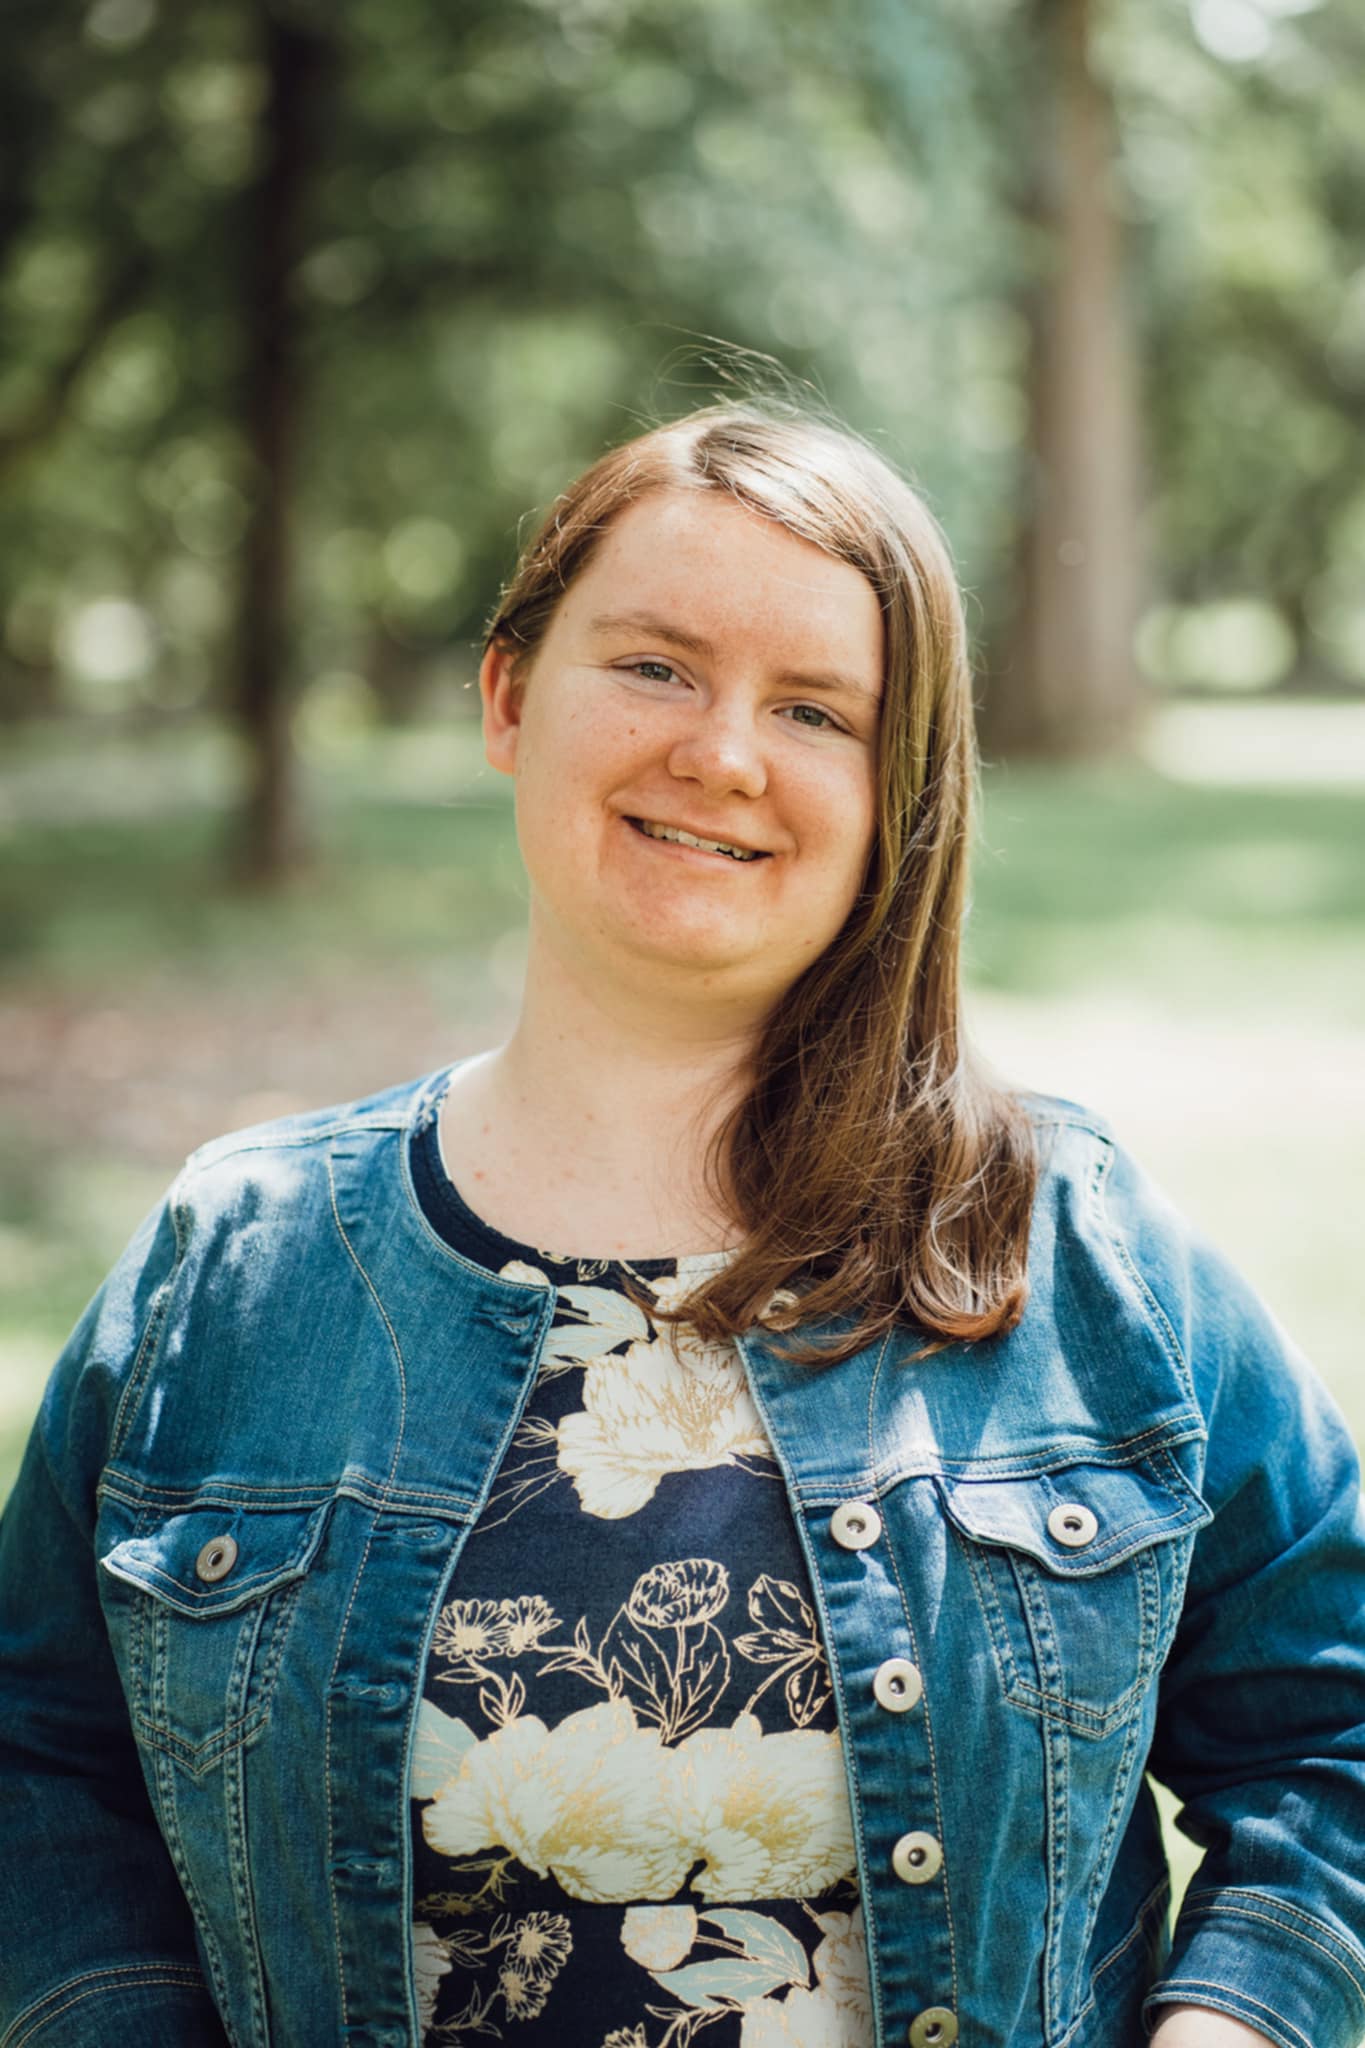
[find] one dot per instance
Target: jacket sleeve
(1260, 1728)
(97, 1941)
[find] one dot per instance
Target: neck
(628, 1080)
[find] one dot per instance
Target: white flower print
(441, 1740)
(473, 1632)
(617, 1815)
(803, 2019)
(841, 1964)
(584, 1799)
(626, 2037)
(769, 1813)
(671, 1405)
(609, 1318)
(430, 1964)
(520, 1269)
(837, 2013)
(534, 1949)
(670, 1291)
(658, 1936)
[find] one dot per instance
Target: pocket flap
(1131, 1505)
(273, 1546)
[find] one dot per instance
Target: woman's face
(707, 673)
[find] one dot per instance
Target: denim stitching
(1123, 1776)
(170, 1829)
(239, 1874)
(1114, 1453)
(1246, 1913)
(1057, 1806)
(1163, 1531)
(135, 1653)
(982, 1570)
(1160, 1891)
(185, 1498)
(133, 1387)
(924, 1701)
(211, 1600)
(1093, 1722)
(850, 1754)
(1145, 1294)
(151, 1712)
(1174, 1988)
(97, 1981)
(355, 1583)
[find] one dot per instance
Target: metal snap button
(1072, 1524)
(216, 1559)
(917, 1857)
(897, 1685)
(778, 1308)
(935, 2027)
(855, 1524)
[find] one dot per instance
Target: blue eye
(820, 712)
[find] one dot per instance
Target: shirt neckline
(510, 1249)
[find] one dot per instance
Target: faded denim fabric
(1126, 1536)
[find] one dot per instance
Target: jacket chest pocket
(1080, 1575)
(203, 1624)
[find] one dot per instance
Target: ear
(501, 708)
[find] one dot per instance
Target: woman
(692, 1523)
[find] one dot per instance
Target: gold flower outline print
(788, 1639)
(471, 1633)
(526, 1955)
(661, 1649)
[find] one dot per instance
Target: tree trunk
(268, 834)
(1062, 678)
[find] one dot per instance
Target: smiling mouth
(673, 835)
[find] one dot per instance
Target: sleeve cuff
(1267, 1963)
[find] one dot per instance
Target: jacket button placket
(367, 1708)
(886, 1716)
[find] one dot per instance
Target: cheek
(842, 819)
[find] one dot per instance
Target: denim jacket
(1127, 1536)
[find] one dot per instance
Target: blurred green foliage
(518, 218)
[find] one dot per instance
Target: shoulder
(278, 1161)
(1100, 1207)
(388, 1109)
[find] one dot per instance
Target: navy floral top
(631, 1825)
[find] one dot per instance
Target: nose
(720, 751)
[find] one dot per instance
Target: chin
(708, 951)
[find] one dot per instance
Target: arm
(1260, 1728)
(1195, 2026)
(98, 1941)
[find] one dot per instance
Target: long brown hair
(881, 1174)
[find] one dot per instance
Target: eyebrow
(828, 680)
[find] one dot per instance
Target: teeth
(681, 838)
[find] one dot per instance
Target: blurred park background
(306, 311)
